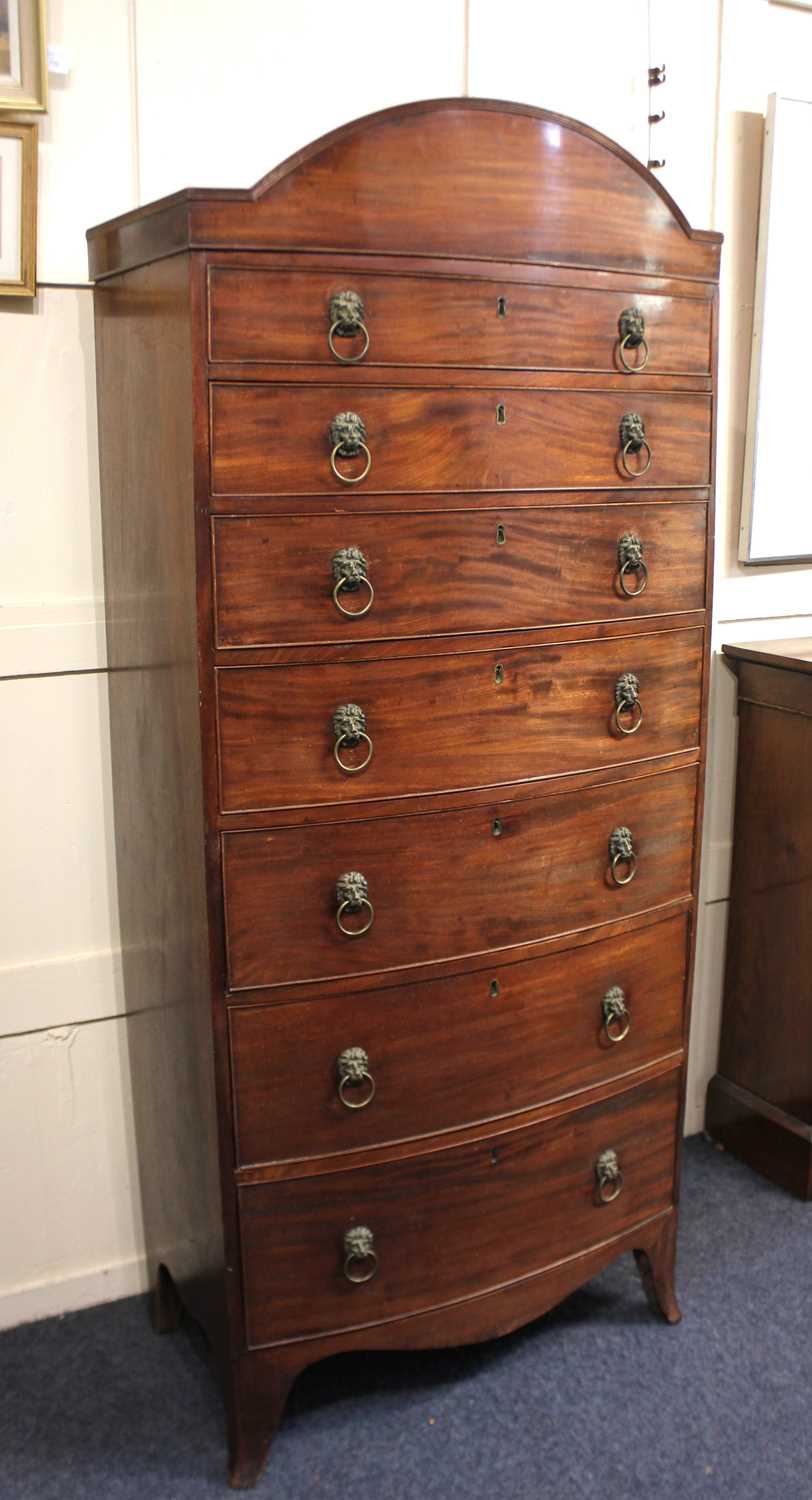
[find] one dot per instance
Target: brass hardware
(630, 560)
(616, 1019)
(348, 438)
(501, 415)
(608, 1176)
(656, 76)
(352, 894)
(359, 1245)
(621, 852)
(501, 307)
(349, 572)
(353, 1073)
(632, 440)
(653, 162)
(495, 989)
(346, 322)
(496, 828)
(655, 119)
(498, 674)
(349, 728)
(500, 535)
(632, 327)
(627, 701)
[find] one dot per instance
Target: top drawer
(289, 317)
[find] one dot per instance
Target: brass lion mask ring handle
(628, 714)
(360, 1256)
(616, 1019)
(354, 1078)
(348, 435)
(633, 440)
(347, 322)
(608, 1177)
(632, 326)
(631, 565)
(349, 728)
(350, 577)
(352, 895)
(622, 858)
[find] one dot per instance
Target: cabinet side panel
(144, 365)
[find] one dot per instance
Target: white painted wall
(164, 96)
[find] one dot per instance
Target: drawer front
(452, 572)
(444, 723)
(454, 884)
(453, 1052)
(284, 317)
(277, 440)
(453, 1223)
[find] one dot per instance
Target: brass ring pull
(353, 1073)
(348, 438)
(346, 322)
(359, 1248)
(633, 440)
(630, 562)
(349, 728)
(608, 1176)
(617, 1022)
(352, 895)
(622, 855)
(632, 336)
(627, 701)
(350, 572)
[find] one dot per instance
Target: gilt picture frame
(18, 209)
(23, 69)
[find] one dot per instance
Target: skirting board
(47, 1299)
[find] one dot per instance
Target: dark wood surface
(451, 1052)
(452, 572)
(444, 178)
(283, 317)
(570, 230)
(275, 439)
(455, 721)
(451, 887)
(794, 654)
(760, 1103)
(455, 1223)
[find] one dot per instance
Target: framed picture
(23, 71)
(18, 209)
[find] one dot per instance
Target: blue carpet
(598, 1399)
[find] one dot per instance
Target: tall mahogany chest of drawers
(406, 469)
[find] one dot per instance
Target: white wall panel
(227, 92)
(86, 144)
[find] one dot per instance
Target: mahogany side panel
(144, 365)
(275, 439)
(466, 882)
(452, 572)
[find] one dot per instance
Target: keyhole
(494, 989)
(498, 674)
(500, 535)
(501, 307)
(496, 827)
(500, 414)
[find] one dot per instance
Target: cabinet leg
(655, 1262)
(260, 1386)
(165, 1306)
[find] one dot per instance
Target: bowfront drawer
(340, 1074)
(387, 893)
(343, 1248)
(340, 735)
(334, 318)
(332, 439)
(302, 579)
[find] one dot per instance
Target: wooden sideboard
(760, 1100)
(407, 462)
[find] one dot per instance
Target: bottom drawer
(454, 1222)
